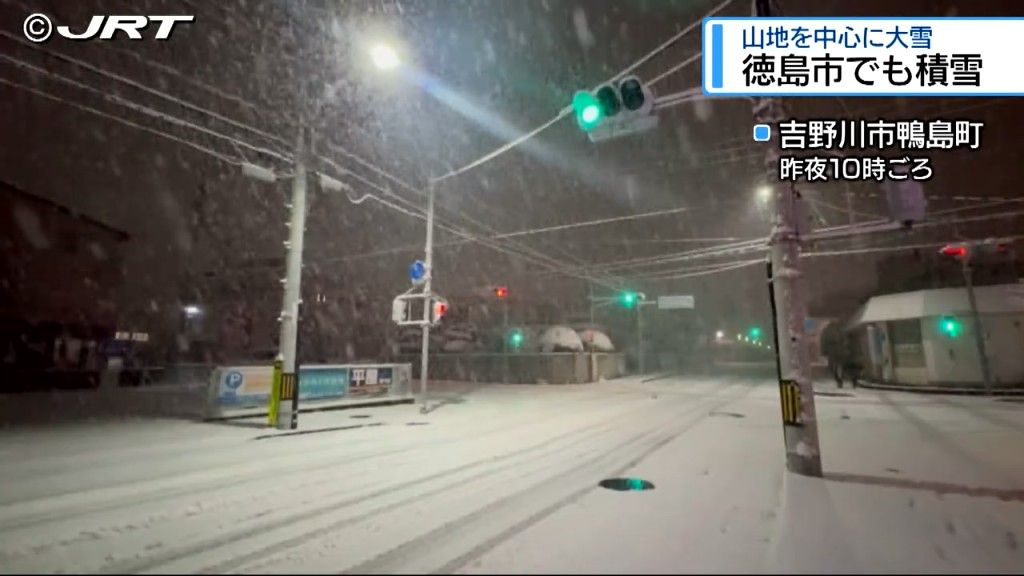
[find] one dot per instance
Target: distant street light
(764, 193)
(719, 335)
(191, 311)
(384, 57)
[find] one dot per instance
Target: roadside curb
(260, 412)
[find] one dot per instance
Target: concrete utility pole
(800, 427)
(428, 264)
(979, 329)
(640, 335)
(288, 408)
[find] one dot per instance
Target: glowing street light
(719, 335)
(384, 57)
(764, 193)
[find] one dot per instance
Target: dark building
(59, 279)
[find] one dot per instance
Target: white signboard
(674, 302)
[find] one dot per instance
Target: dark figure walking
(843, 362)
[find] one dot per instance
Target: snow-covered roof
(996, 299)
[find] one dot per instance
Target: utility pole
(979, 330)
(591, 285)
(287, 417)
(800, 427)
(428, 263)
(640, 335)
(504, 338)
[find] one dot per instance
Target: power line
(881, 249)
(143, 109)
(568, 109)
(674, 69)
(521, 251)
(172, 119)
(589, 223)
(675, 273)
(169, 118)
(379, 171)
(158, 66)
(718, 270)
(142, 87)
(672, 40)
(97, 112)
(532, 256)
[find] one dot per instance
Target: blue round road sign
(417, 271)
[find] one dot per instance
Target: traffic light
(617, 109)
(399, 310)
(955, 250)
(515, 338)
(588, 110)
(950, 326)
(501, 292)
(755, 333)
(438, 308)
(628, 299)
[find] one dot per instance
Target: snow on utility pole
(288, 408)
(800, 425)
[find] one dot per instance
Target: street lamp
(764, 193)
(384, 57)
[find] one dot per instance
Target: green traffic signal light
(628, 299)
(587, 109)
(755, 333)
(950, 326)
(515, 338)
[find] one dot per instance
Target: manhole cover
(626, 484)
(360, 416)
(416, 423)
(729, 414)
(834, 394)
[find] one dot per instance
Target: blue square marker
(762, 132)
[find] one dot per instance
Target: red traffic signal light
(501, 292)
(954, 250)
(440, 308)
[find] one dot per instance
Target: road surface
(505, 479)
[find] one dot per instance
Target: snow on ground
(504, 479)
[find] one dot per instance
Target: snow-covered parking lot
(505, 479)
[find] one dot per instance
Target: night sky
(201, 231)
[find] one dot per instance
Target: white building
(927, 337)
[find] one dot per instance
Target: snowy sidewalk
(914, 484)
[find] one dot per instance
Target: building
(927, 337)
(59, 278)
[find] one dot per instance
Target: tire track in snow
(472, 525)
(323, 508)
(310, 536)
(114, 497)
(132, 527)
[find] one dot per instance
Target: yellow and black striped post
(290, 394)
(275, 392)
(789, 393)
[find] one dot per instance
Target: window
(906, 343)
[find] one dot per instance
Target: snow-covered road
(504, 479)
